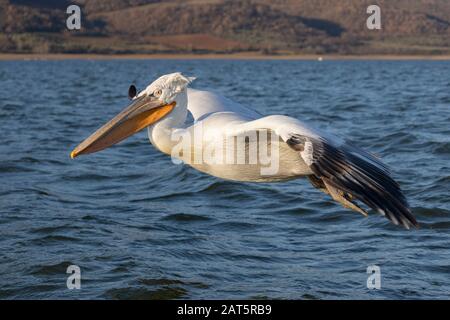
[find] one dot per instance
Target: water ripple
(141, 227)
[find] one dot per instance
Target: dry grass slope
(221, 26)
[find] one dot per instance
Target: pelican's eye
(157, 93)
(132, 91)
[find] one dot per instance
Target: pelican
(350, 175)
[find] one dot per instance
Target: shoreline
(211, 56)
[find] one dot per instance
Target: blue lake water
(140, 227)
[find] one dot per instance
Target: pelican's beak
(143, 112)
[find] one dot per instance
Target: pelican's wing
(203, 103)
(346, 171)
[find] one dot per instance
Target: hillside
(220, 26)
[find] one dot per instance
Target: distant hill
(221, 26)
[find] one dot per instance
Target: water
(141, 227)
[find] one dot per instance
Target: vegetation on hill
(222, 26)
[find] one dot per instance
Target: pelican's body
(230, 141)
(229, 119)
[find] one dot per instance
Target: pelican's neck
(161, 132)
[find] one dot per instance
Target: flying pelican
(348, 174)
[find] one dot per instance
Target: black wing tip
(402, 217)
(413, 222)
(358, 173)
(407, 224)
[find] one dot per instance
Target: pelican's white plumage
(345, 172)
(203, 103)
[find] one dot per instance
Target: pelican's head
(160, 98)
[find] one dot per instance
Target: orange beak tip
(73, 154)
